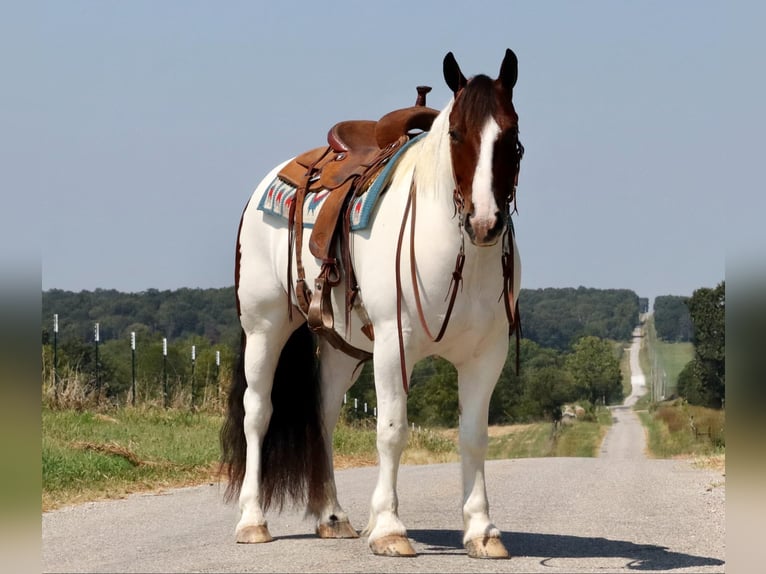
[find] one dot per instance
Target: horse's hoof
(486, 547)
(393, 545)
(255, 534)
(336, 529)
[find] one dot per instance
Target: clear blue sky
(134, 132)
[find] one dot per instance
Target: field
(663, 361)
(89, 455)
(677, 429)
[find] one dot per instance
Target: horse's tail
(294, 458)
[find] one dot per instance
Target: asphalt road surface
(620, 512)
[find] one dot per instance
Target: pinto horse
(449, 197)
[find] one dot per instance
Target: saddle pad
(279, 195)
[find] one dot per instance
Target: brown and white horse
(449, 198)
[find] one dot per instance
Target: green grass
(662, 357)
(672, 358)
(627, 387)
(86, 455)
(527, 441)
(583, 438)
(89, 456)
(670, 433)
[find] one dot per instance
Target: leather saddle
(355, 153)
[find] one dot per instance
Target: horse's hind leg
(262, 350)
(338, 372)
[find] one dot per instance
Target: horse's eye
(454, 136)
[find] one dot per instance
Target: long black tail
(294, 460)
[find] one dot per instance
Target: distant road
(626, 439)
(621, 512)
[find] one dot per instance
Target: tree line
(568, 351)
(699, 319)
(672, 320)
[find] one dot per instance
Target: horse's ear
(509, 70)
(452, 74)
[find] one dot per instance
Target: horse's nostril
(499, 224)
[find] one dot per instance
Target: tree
(707, 308)
(548, 389)
(434, 401)
(595, 370)
(671, 318)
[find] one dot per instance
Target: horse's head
(484, 147)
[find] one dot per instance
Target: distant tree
(556, 318)
(548, 390)
(643, 304)
(690, 386)
(672, 320)
(707, 308)
(434, 401)
(595, 370)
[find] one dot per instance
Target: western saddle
(356, 152)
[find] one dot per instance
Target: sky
(133, 133)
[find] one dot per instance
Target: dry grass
(716, 462)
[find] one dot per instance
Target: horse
(449, 197)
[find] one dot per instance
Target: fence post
(133, 363)
(194, 360)
(217, 376)
(55, 358)
(165, 372)
(96, 339)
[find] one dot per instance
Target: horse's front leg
(387, 534)
(338, 372)
(476, 381)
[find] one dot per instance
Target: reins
(457, 278)
(507, 261)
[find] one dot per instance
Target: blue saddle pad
(279, 195)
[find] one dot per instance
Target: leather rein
(507, 261)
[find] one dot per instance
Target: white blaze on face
(484, 205)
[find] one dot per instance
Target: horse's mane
(432, 157)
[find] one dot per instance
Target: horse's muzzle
(484, 232)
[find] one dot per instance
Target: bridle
(507, 261)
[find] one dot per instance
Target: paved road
(616, 513)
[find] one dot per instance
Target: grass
(663, 357)
(670, 433)
(89, 455)
(627, 386)
(583, 438)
